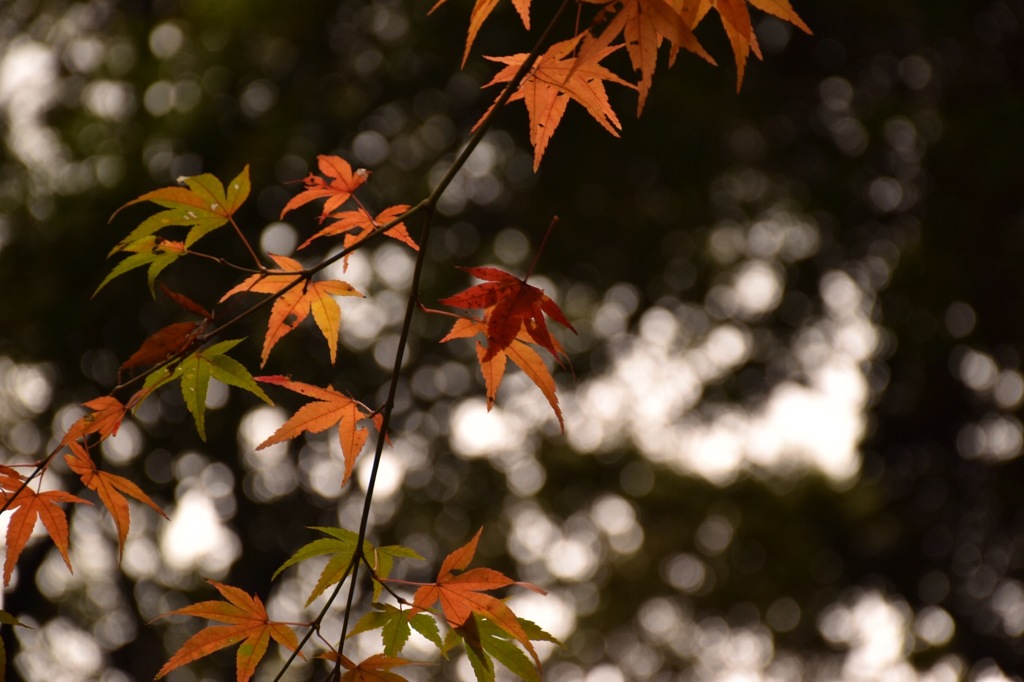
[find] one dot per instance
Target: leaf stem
(540, 249)
(248, 246)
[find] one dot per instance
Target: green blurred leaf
(499, 644)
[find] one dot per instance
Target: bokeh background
(793, 434)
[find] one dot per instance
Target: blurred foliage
(888, 143)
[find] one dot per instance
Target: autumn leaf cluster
(504, 316)
(189, 353)
(480, 622)
(572, 69)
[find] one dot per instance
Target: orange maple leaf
(10, 479)
(493, 368)
(247, 622)
(735, 18)
(329, 409)
(736, 21)
(644, 24)
(296, 304)
(554, 75)
(463, 595)
(29, 506)
(372, 669)
(344, 181)
(512, 306)
(104, 420)
(478, 15)
(111, 489)
(782, 10)
(347, 221)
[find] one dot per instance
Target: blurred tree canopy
(793, 443)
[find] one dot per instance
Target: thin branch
(429, 206)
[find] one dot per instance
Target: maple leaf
(555, 78)
(781, 9)
(154, 251)
(10, 479)
(111, 489)
(341, 545)
(30, 506)
(483, 639)
(396, 626)
(173, 339)
(296, 304)
(644, 24)
(7, 619)
(247, 621)
(344, 181)
(186, 303)
(329, 409)
(493, 368)
(478, 15)
(346, 221)
(736, 20)
(372, 669)
(512, 306)
(462, 595)
(195, 372)
(162, 344)
(201, 205)
(104, 420)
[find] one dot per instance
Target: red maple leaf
(111, 488)
(173, 339)
(344, 181)
(512, 306)
(463, 595)
(187, 303)
(493, 368)
(247, 622)
(163, 344)
(372, 669)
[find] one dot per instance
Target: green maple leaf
(396, 626)
(153, 251)
(195, 372)
(485, 640)
(202, 205)
(341, 545)
(6, 619)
